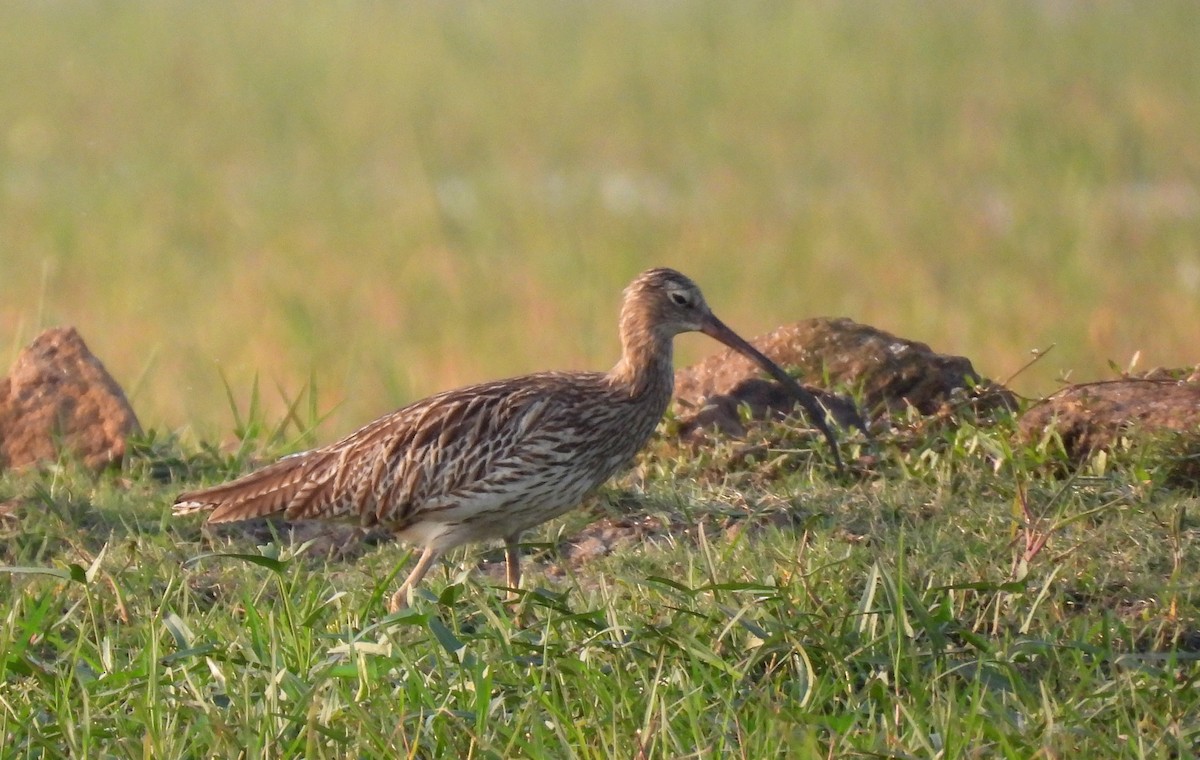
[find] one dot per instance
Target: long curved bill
(717, 330)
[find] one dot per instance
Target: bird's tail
(268, 491)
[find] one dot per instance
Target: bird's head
(664, 303)
(661, 303)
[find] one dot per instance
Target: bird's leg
(522, 615)
(512, 565)
(399, 599)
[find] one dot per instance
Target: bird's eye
(679, 299)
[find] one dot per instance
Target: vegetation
(955, 600)
(377, 201)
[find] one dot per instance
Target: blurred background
(388, 199)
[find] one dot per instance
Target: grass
(395, 198)
(959, 599)
(274, 223)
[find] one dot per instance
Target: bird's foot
(398, 601)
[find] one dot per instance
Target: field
(353, 205)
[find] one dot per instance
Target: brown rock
(892, 373)
(1092, 416)
(58, 395)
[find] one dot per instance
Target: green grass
(400, 198)
(958, 599)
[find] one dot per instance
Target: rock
(1092, 416)
(892, 373)
(58, 396)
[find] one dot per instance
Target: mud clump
(58, 397)
(892, 374)
(1092, 416)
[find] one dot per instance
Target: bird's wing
(444, 447)
(461, 444)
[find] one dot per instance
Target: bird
(493, 460)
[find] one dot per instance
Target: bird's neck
(646, 367)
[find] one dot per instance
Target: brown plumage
(495, 459)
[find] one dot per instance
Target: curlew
(490, 461)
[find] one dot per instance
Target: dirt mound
(891, 373)
(1092, 416)
(58, 396)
